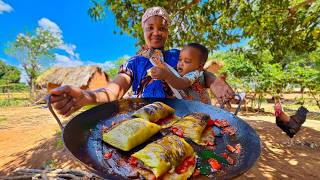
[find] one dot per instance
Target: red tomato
(133, 161)
(190, 161)
(196, 173)
(209, 143)
(174, 129)
(214, 164)
(210, 122)
(179, 133)
(225, 155)
(181, 169)
(107, 155)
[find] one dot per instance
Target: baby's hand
(159, 73)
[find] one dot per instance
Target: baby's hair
(204, 51)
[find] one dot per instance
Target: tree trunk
(315, 98)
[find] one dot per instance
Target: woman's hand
(220, 88)
(68, 99)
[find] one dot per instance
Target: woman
(155, 22)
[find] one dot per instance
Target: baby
(191, 84)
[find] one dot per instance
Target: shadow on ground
(282, 158)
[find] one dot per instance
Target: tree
(30, 49)
(279, 26)
(8, 74)
(113, 71)
(203, 22)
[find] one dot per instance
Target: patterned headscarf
(155, 11)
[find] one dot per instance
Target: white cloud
(105, 65)
(70, 49)
(73, 58)
(5, 7)
(52, 27)
(65, 61)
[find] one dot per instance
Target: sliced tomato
(174, 129)
(214, 164)
(107, 155)
(181, 169)
(225, 155)
(209, 143)
(179, 133)
(133, 161)
(210, 122)
(196, 173)
(190, 161)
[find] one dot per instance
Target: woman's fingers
(62, 103)
(66, 108)
(56, 98)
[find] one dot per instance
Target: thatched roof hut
(85, 77)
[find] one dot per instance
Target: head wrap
(155, 11)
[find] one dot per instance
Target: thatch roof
(76, 76)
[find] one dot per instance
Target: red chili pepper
(231, 148)
(107, 155)
(196, 173)
(210, 122)
(133, 161)
(225, 155)
(214, 164)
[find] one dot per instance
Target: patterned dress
(197, 91)
(142, 84)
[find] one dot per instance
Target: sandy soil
(29, 138)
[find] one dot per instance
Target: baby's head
(193, 56)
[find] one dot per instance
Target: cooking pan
(82, 137)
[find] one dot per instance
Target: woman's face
(155, 31)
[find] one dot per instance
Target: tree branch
(188, 6)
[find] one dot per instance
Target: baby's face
(189, 60)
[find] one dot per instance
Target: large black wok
(82, 136)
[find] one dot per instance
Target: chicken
(289, 124)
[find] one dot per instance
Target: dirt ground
(29, 137)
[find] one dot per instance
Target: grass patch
(14, 102)
(310, 107)
(51, 164)
(59, 143)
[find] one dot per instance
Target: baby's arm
(163, 73)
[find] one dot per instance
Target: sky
(86, 41)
